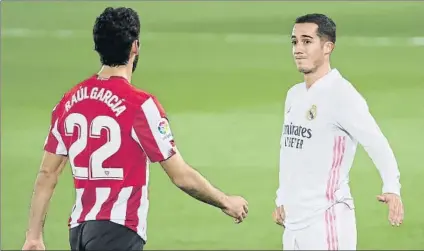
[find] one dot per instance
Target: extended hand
(236, 207)
(395, 207)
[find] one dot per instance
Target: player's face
(309, 50)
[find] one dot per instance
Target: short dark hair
(114, 32)
(326, 26)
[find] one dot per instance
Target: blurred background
(221, 69)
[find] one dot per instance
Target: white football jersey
(322, 127)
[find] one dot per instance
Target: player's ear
(328, 47)
(136, 47)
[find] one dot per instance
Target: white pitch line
(233, 38)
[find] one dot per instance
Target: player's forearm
(384, 159)
(279, 200)
(43, 191)
(195, 185)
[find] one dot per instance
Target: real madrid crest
(312, 113)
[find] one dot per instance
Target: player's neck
(312, 78)
(119, 71)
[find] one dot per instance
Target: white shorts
(335, 230)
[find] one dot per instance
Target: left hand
(395, 207)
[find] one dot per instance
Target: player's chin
(304, 70)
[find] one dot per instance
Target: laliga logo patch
(164, 129)
(312, 113)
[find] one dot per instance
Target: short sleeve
(54, 141)
(151, 129)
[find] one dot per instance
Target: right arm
(153, 133)
(192, 182)
(279, 201)
(279, 213)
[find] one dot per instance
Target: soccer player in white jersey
(325, 118)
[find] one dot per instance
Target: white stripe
(102, 194)
(119, 209)
(143, 210)
(153, 118)
(134, 136)
(228, 37)
(50, 128)
(61, 148)
(76, 213)
(47, 138)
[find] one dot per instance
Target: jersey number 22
(95, 169)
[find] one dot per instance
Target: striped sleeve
(152, 131)
(54, 141)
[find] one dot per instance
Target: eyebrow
(305, 36)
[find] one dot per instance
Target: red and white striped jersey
(110, 131)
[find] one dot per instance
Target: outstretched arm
(356, 119)
(152, 131)
(192, 182)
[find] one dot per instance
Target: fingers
(392, 213)
(240, 217)
(281, 212)
(243, 213)
(276, 215)
(238, 209)
(401, 213)
(396, 210)
(381, 198)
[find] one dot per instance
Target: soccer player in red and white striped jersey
(110, 132)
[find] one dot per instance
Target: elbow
(180, 182)
(179, 172)
(183, 180)
(47, 180)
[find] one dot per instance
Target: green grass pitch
(221, 70)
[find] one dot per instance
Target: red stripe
(327, 228)
(329, 182)
(342, 148)
(339, 148)
(88, 199)
(52, 142)
(146, 138)
(331, 230)
(331, 226)
(334, 227)
(131, 219)
(106, 209)
(338, 154)
(335, 168)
